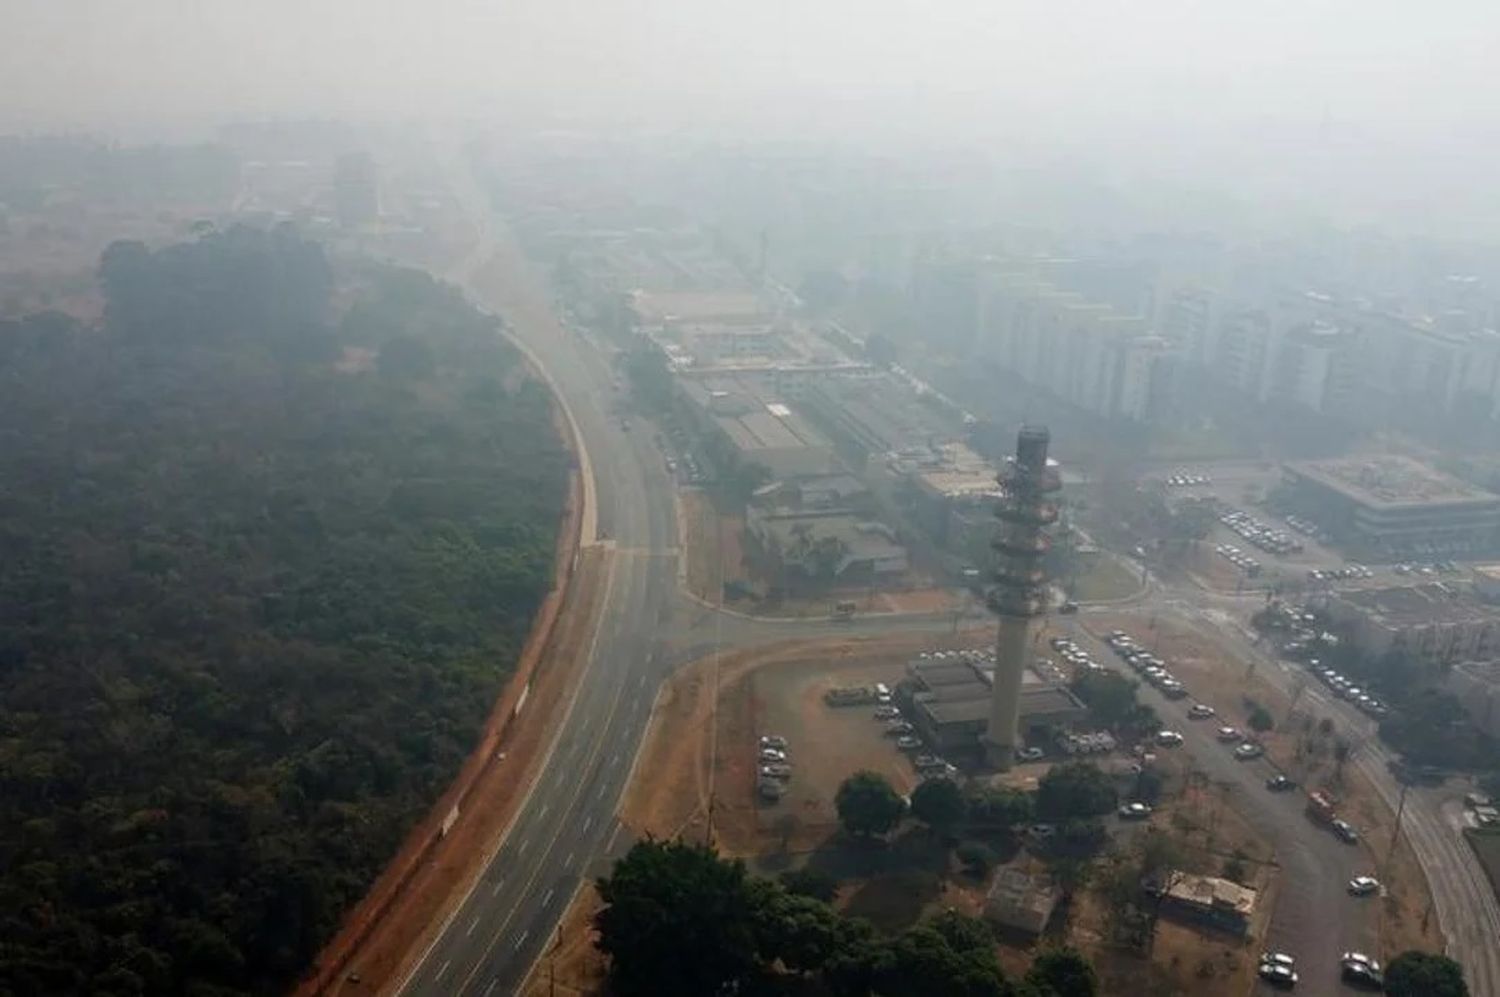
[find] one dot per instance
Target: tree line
(271, 537)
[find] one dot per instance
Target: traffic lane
(557, 831)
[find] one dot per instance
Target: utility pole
(1396, 830)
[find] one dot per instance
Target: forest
(271, 537)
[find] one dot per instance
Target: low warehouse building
(1211, 901)
(1021, 900)
(950, 702)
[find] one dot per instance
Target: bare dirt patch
(714, 556)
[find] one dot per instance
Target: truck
(1320, 804)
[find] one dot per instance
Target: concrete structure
(871, 415)
(952, 490)
(949, 698)
(834, 547)
(1435, 624)
(745, 421)
(1025, 509)
(1211, 901)
(1020, 900)
(1393, 503)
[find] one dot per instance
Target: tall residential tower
(1025, 510)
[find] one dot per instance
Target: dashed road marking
(442, 972)
(472, 925)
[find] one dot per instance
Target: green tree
(810, 882)
(677, 919)
(1423, 974)
(943, 956)
(999, 808)
(1063, 972)
(977, 858)
(800, 932)
(868, 805)
(1075, 789)
(939, 804)
(1109, 696)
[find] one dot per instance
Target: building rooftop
(1391, 481)
(1213, 892)
(1035, 699)
(752, 414)
(862, 539)
(1433, 603)
(1015, 890)
(699, 306)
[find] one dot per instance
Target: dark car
(1280, 784)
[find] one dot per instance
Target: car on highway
(1229, 735)
(1279, 783)
(1248, 751)
(1345, 831)
(1363, 886)
(1169, 739)
(1135, 811)
(1200, 711)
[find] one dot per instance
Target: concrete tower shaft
(1019, 596)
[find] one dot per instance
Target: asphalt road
(489, 943)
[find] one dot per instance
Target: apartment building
(1085, 352)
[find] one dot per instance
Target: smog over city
(855, 499)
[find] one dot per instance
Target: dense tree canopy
(1074, 789)
(258, 588)
(867, 804)
(939, 804)
(1422, 974)
(677, 919)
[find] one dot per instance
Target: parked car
(1278, 975)
(773, 741)
(1169, 739)
(776, 771)
(772, 755)
(1230, 735)
(1280, 784)
(1029, 754)
(1200, 711)
(1345, 831)
(887, 713)
(1363, 886)
(1248, 751)
(1135, 811)
(899, 728)
(908, 743)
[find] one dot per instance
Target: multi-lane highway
(497, 932)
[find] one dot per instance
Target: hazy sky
(1426, 65)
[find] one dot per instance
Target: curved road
(496, 933)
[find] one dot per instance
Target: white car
(1248, 751)
(1200, 711)
(1169, 739)
(1278, 959)
(1230, 735)
(1363, 886)
(1135, 811)
(772, 755)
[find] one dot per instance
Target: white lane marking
(472, 925)
(496, 891)
(588, 822)
(543, 812)
(599, 795)
(489, 989)
(547, 897)
(438, 978)
(521, 848)
(568, 862)
(521, 938)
